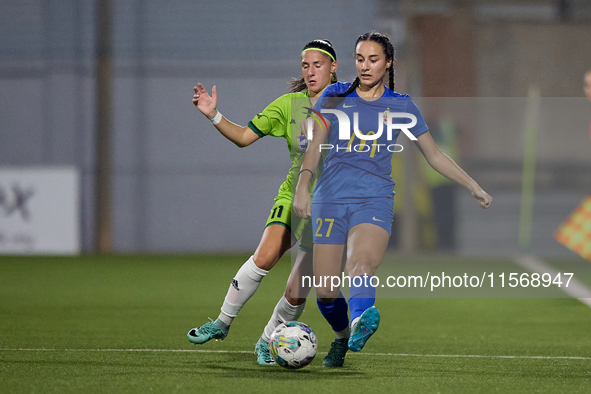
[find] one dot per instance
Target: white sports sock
(345, 333)
(283, 312)
(244, 285)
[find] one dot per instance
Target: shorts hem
(306, 249)
(331, 243)
(281, 223)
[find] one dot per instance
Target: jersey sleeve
(421, 126)
(273, 120)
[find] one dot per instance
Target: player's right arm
(240, 135)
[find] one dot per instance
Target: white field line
(251, 352)
(575, 288)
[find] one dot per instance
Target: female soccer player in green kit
(319, 64)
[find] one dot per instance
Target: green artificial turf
(118, 324)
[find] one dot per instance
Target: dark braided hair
(388, 48)
(299, 85)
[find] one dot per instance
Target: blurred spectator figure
(587, 84)
(587, 88)
(442, 214)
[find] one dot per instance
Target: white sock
(345, 333)
(244, 285)
(283, 312)
(355, 320)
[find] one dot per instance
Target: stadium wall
(178, 186)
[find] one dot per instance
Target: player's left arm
(302, 204)
(443, 164)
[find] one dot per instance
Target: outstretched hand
(204, 102)
(484, 199)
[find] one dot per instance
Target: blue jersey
(355, 168)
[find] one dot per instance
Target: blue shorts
(331, 222)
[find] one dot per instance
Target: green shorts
(299, 228)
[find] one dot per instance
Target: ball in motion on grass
(293, 345)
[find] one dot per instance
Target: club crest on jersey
(385, 117)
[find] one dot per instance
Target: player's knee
(296, 295)
(295, 301)
(266, 260)
(326, 295)
(361, 267)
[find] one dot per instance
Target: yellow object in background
(575, 232)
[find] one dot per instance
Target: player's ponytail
(325, 46)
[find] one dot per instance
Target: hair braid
(353, 86)
(336, 99)
(391, 77)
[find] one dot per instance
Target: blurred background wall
(178, 186)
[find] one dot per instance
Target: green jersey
(282, 118)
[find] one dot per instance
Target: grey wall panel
(63, 108)
(127, 115)
(208, 213)
(126, 212)
(23, 123)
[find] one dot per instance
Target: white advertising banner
(39, 210)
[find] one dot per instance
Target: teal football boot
(263, 353)
(211, 330)
(364, 327)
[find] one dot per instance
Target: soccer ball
(293, 345)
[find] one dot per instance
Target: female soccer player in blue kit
(282, 230)
(353, 199)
